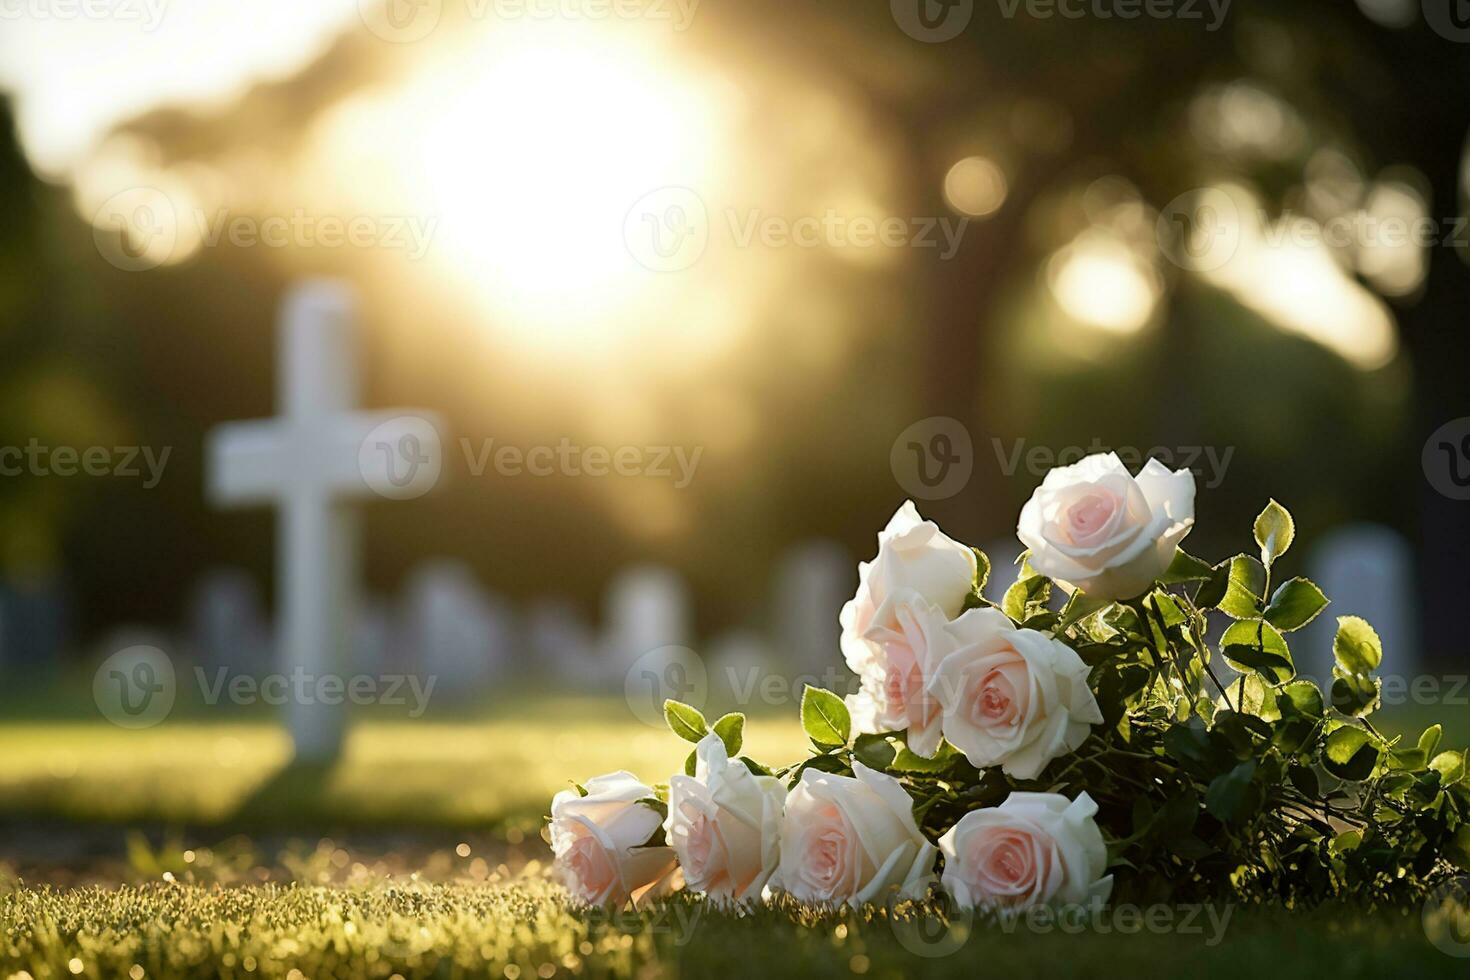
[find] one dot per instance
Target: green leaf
(1295, 604)
(691, 763)
(1080, 606)
(1274, 532)
(1450, 765)
(1242, 599)
(1168, 609)
(1186, 568)
(1258, 646)
(982, 570)
(1356, 646)
(874, 751)
(824, 717)
(731, 729)
(1429, 741)
(1349, 754)
(1300, 698)
(1355, 694)
(755, 767)
(1212, 592)
(1028, 595)
(685, 720)
(1227, 792)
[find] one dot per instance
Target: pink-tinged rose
(895, 668)
(1016, 698)
(1033, 849)
(1093, 526)
(599, 842)
(852, 839)
(724, 823)
(913, 556)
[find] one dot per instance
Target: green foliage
(1257, 788)
(1274, 530)
(824, 718)
(685, 721)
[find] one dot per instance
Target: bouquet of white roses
(1028, 752)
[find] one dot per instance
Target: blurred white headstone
(308, 463)
(744, 674)
(1367, 571)
(453, 631)
(375, 638)
(646, 610)
(227, 625)
(812, 583)
(561, 645)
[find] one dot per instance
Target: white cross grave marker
(308, 463)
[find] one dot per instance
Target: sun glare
(529, 150)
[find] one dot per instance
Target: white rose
(897, 665)
(1033, 849)
(918, 570)
(1016, 698)
(599, 839)
(724, 823)
(852, 839)
(1093, 527)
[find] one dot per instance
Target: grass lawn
(491, 769)
(523, 929)
(213, 904)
